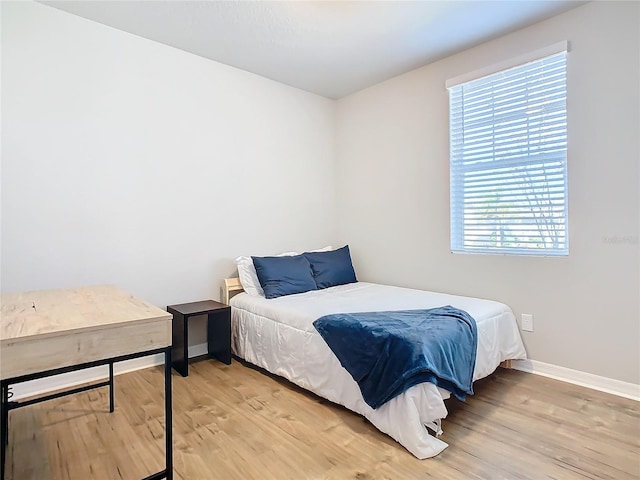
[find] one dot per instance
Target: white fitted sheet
(278, 335)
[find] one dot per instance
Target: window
(508, 133)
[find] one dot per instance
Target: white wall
(126, 161)
(393, 191)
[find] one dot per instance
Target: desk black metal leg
(5, 405)
(111, 394)
(4, 414)
(168, 414)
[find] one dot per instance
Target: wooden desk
(49, 332)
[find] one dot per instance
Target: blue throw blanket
(388, 352)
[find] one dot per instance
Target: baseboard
(71, 379)
(596, 382)
(67, 380)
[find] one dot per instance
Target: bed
(277, 334)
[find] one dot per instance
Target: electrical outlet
(527, 322)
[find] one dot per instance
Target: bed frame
(231, 287)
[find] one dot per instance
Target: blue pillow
(331, 268)
(280, 276)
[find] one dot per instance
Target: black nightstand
(218, 332)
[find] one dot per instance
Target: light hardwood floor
(234, 422)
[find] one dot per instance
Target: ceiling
(331, 48)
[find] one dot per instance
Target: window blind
(508, 134)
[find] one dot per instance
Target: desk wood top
(47, 313)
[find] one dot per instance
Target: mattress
(278, 335)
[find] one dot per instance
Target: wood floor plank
(232, 422)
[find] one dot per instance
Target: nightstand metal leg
(180, 337)
(219, 336)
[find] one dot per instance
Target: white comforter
(278, 335)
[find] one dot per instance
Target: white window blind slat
(508, 134)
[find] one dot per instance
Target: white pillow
(249, 277)
(328, 248)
